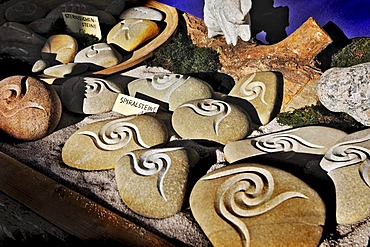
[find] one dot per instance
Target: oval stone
(99, 145)
(29, 108)
(174, 89)
(141, 12)
(25, 11)
(154, 182)
(89, 95)
(211, 119)
(63, 70)
(60, 47)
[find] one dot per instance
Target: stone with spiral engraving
(30, 109)
(250, 204)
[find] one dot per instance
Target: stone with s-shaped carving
(60, 47)
(174, 89)
(210, 119)
(89, 95)
(29, 108)
(283, 145)
(263, 90)
(348, 165)
(99, 145)
(154, 182)
(250, 204)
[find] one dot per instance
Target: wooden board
(69, 210)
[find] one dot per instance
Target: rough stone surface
(348, 164)
(347, 90)
(60, 47)
(25, 11)
(29, 108)
(64, 70)
(89, 95)
(154, 182)
(211, 119)
(174, 89)
(99, 145)
(250, 204)
(115, 7)
(131, 33)
(141, 12)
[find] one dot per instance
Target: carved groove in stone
(94, 86)
(125, 28)
(13, 98)
(116, 134)
(168, 82)
(247, 193)
(152, 162)
(251, 90)
(209, 108)
(95, 50)
(346, 154)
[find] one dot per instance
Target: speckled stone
(25, 11)
(29, 108)
(99, 145)
(98, 56)
(89, 95)
(347, 90)
(255, 205)
(174, 89)
(348, 165)
(212, 120)
(263, 90)
(64, 70)
(60, 47)
(154, 182)
(141, 12)
(131, 33)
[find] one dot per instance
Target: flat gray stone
(64, 70)
(115, 7)
(141, 12)
(25, 11)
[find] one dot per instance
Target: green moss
(180, 55)
(319, 115)
(356, 52)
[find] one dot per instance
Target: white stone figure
(230, 18)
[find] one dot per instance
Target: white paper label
(128, 105)
(87, 24)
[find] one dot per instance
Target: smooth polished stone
(348, 165)
(249, 204)
(25, 11)
(60, 47)
(99, 145)
(347, 90)
(174, 89)
(131, 33)
(19, 33)
(30, 109)
(98, 56)
(154, 182)
(115, 7)
(89, 95)
(63, 70)
(212, 120)
(141, 12)
(285, 144)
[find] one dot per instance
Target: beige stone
(64, 70)
(60, 47)
(141, 12)
(256, 205)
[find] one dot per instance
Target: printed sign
(77, 23)
(128, 105)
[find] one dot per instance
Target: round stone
(60, 47)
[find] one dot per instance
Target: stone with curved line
(99, 145)
(89, 95)
(210, 119)
(154, 182)
(250, 204)
(348, 165)
(60, 47)
(29, 108)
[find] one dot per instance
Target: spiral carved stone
(29, 108)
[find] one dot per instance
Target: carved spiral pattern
(247, 192)
(94, 87)
(282, 142)
(116, 134)
(14, 99)
(209, 108)
(346, 154)
(168, 82)
(152, 162)
(252, 90)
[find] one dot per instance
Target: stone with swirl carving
(99, 145)
(89, 95)
(210, 119)
(173, 89)
(25, 11)
(60, 47)
(154, 182)
(283, 145)
(263, 90)
(29, 108)
(348, 165)
(250, 204)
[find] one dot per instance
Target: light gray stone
(141, 12)
(64, 70)
(347, 90)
